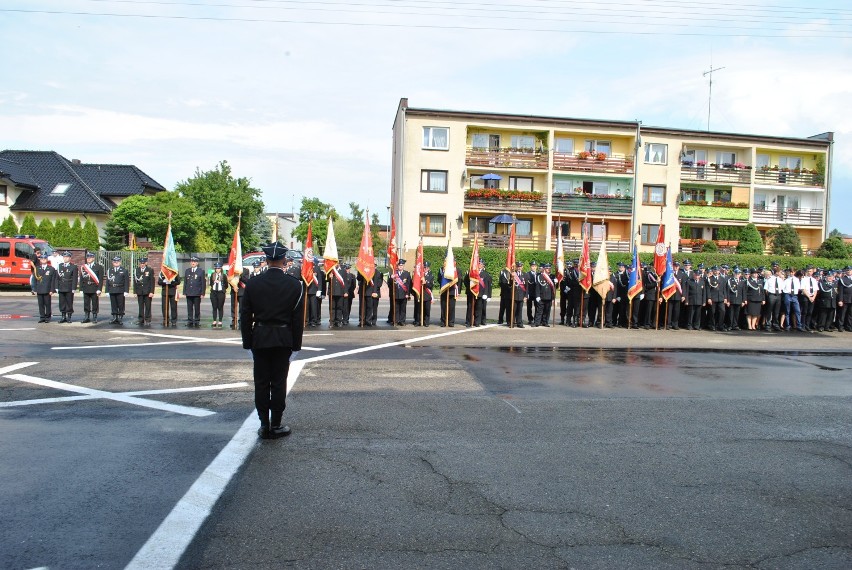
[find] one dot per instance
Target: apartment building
(456, 174)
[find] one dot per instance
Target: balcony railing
(507, 157)
(501, 241)
(575, 245)
(792, 178)
(583, 203)
(718, 174)
(611, 164)
(712, 212)
(795, 216)
(505, 204)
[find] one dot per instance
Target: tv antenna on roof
(710, 95)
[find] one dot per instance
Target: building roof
(52, 183)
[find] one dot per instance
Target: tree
(833, 248)
(149, 216)
(750, 241)
(219, 198)
(785, 240)
(835, 233)
(76, 236)
(45, 230)
(9, 227)
(90, 236)
(29, 226)
(61, 234)
(312, 209)
(263, 230)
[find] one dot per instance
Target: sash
(338, 276)
(398, 280)
(92, 275)
(520, 283)
(549, 281)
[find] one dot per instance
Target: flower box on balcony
(497, 194)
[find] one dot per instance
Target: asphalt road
(489, 448)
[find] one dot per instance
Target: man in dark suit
(194, 286)
(486, 284)
(399, 284)
(143, 287)
(118, 287)
(45, 286)
(530, 281)
(426, 301)
(91, 284)
(271, 325)
(66, 284)
(546, 292)
(695, 297)
(169, 296)
(369, 292)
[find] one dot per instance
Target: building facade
(455, 174)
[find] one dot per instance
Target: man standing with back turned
(271, 325)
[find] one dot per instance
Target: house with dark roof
(48, 185)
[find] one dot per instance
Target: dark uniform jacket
(530, 280)
(546, 291)
(89, 285)
(66, 277)
(118, 280)
(621, 280)
(171, 286)
(401, 281)
(649, 284)
(45, 279)
(844, 289)
(717, 291)
(696, 292)
(241, 284)
(366, 289)
(827, 295)
(754, 291)
(736, 290)
(428, 284)
(271, 311)
(316, 284)
(194, 282)
(521, 290)
(143, 281)
(339, 283)
(486, 284)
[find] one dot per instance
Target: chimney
(76, 161)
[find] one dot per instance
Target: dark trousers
(620, 311)
(634, 314)
(116, 304)
(772, 310)
(694, 320)
(807, 312)
(426, 308)
(650, 315)
(337, 310)
(347, 308)
(66, 302)
(217, 299)
(542, 312)
(572, 316)
(271, 366)
(169, 305)
(44, 305)
(479, 311)
(144, 302)
(673, 310)
(505, 302)
(367, 311)
(193, 309)
(844, 317)
(448, 309)
(718, 310)
(519, 314)
(734, 316)
(825, 317)
(91, 303)
(595, 306)
(235, 308)
(530, 309)
(314, 310)
(468, 310)
(563, 309)
(401, 305)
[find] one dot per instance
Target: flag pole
(422, 300)
(629, 313)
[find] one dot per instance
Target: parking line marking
(13, 367)
(168, 543)
(181, 340)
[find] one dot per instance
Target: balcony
(576, 245)
(608, 165)
(769, 177)
(711, 212)
(583, 203)
(716, 174)
(501, 241)
(504, 200)
(507, 157)
(794, 216)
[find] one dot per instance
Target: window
(727, 159)
(5, 248)
(523, 227)
(24, 250)
(437, 138)
(693, 195)
(2, 194)
(523, 142)
(564, 145)
(762, 160)
(693, 157)
(433, 224)
(648, 233)
(721, 195)
(759, 201)
(433, 181)
(566, 229)
(600, 188)
(562, 185)
(480, 225)
(655, 153)
(479, 141)
(791, 162)
(522, 183)
(60, 189)
(653, 195)
(598, 146)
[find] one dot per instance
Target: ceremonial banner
(660, 251)
(393, 256)
(417, 278)
(585, 267)
(366, 262)
(308, 259)
(330, 252)
(473, 273)
(169, 268)
(450, 276)
(235, 259)
(634, 278)
(670, 284)
(601, 280)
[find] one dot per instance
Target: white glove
(538, 299)
(294, 355)
(641, 296)
(127, 294)
(485, 297)
(319, 293)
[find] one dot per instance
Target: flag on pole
(585, 267)
(510, 256)
(235, 258)
(601, 280)
(559, 256)
(634, 277)
(330, 252)
(393, 256)
(669, 283)
(473, 274)
(660, 251)
(449, 275)
(417, 278)
(366, 262)
(308, 257)
(169, 267)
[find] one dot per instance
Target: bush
(750, 241)
(90, 241)
(29, 226)
(45, 230)
(833, 248)
(785, 240)
(709, 247)
(9, 227)
(62, 234)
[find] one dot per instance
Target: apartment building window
(594, 231)
(564, 145)
(693, 157)
(762, 160)
(522, 183)
(721, 195)
(436, 138)
(2, 194)
(479, 225)
(523, 227)
(656, 153)
(563, 186)
(523, 142)
(433, 181)
(598, 146)
(759, 201)
(693, 195)
(653, 195)
(566, 228)
(726, 159)
(433, 225)
(791, 162)
(648, 233)
(476, 181)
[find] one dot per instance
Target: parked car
(17, 257)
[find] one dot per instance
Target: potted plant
(584, 154)
(600, 156)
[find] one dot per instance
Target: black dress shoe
(276, 432)
(263, 432)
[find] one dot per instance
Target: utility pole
(710, 95)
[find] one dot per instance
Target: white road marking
(168, 543)
(186, 410)
(29, 329)
(13, 367)
(181, 340)
(511, 404)
(17, 403)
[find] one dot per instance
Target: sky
(300, 96)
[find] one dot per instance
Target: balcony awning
(491, 176)
(502, 219)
